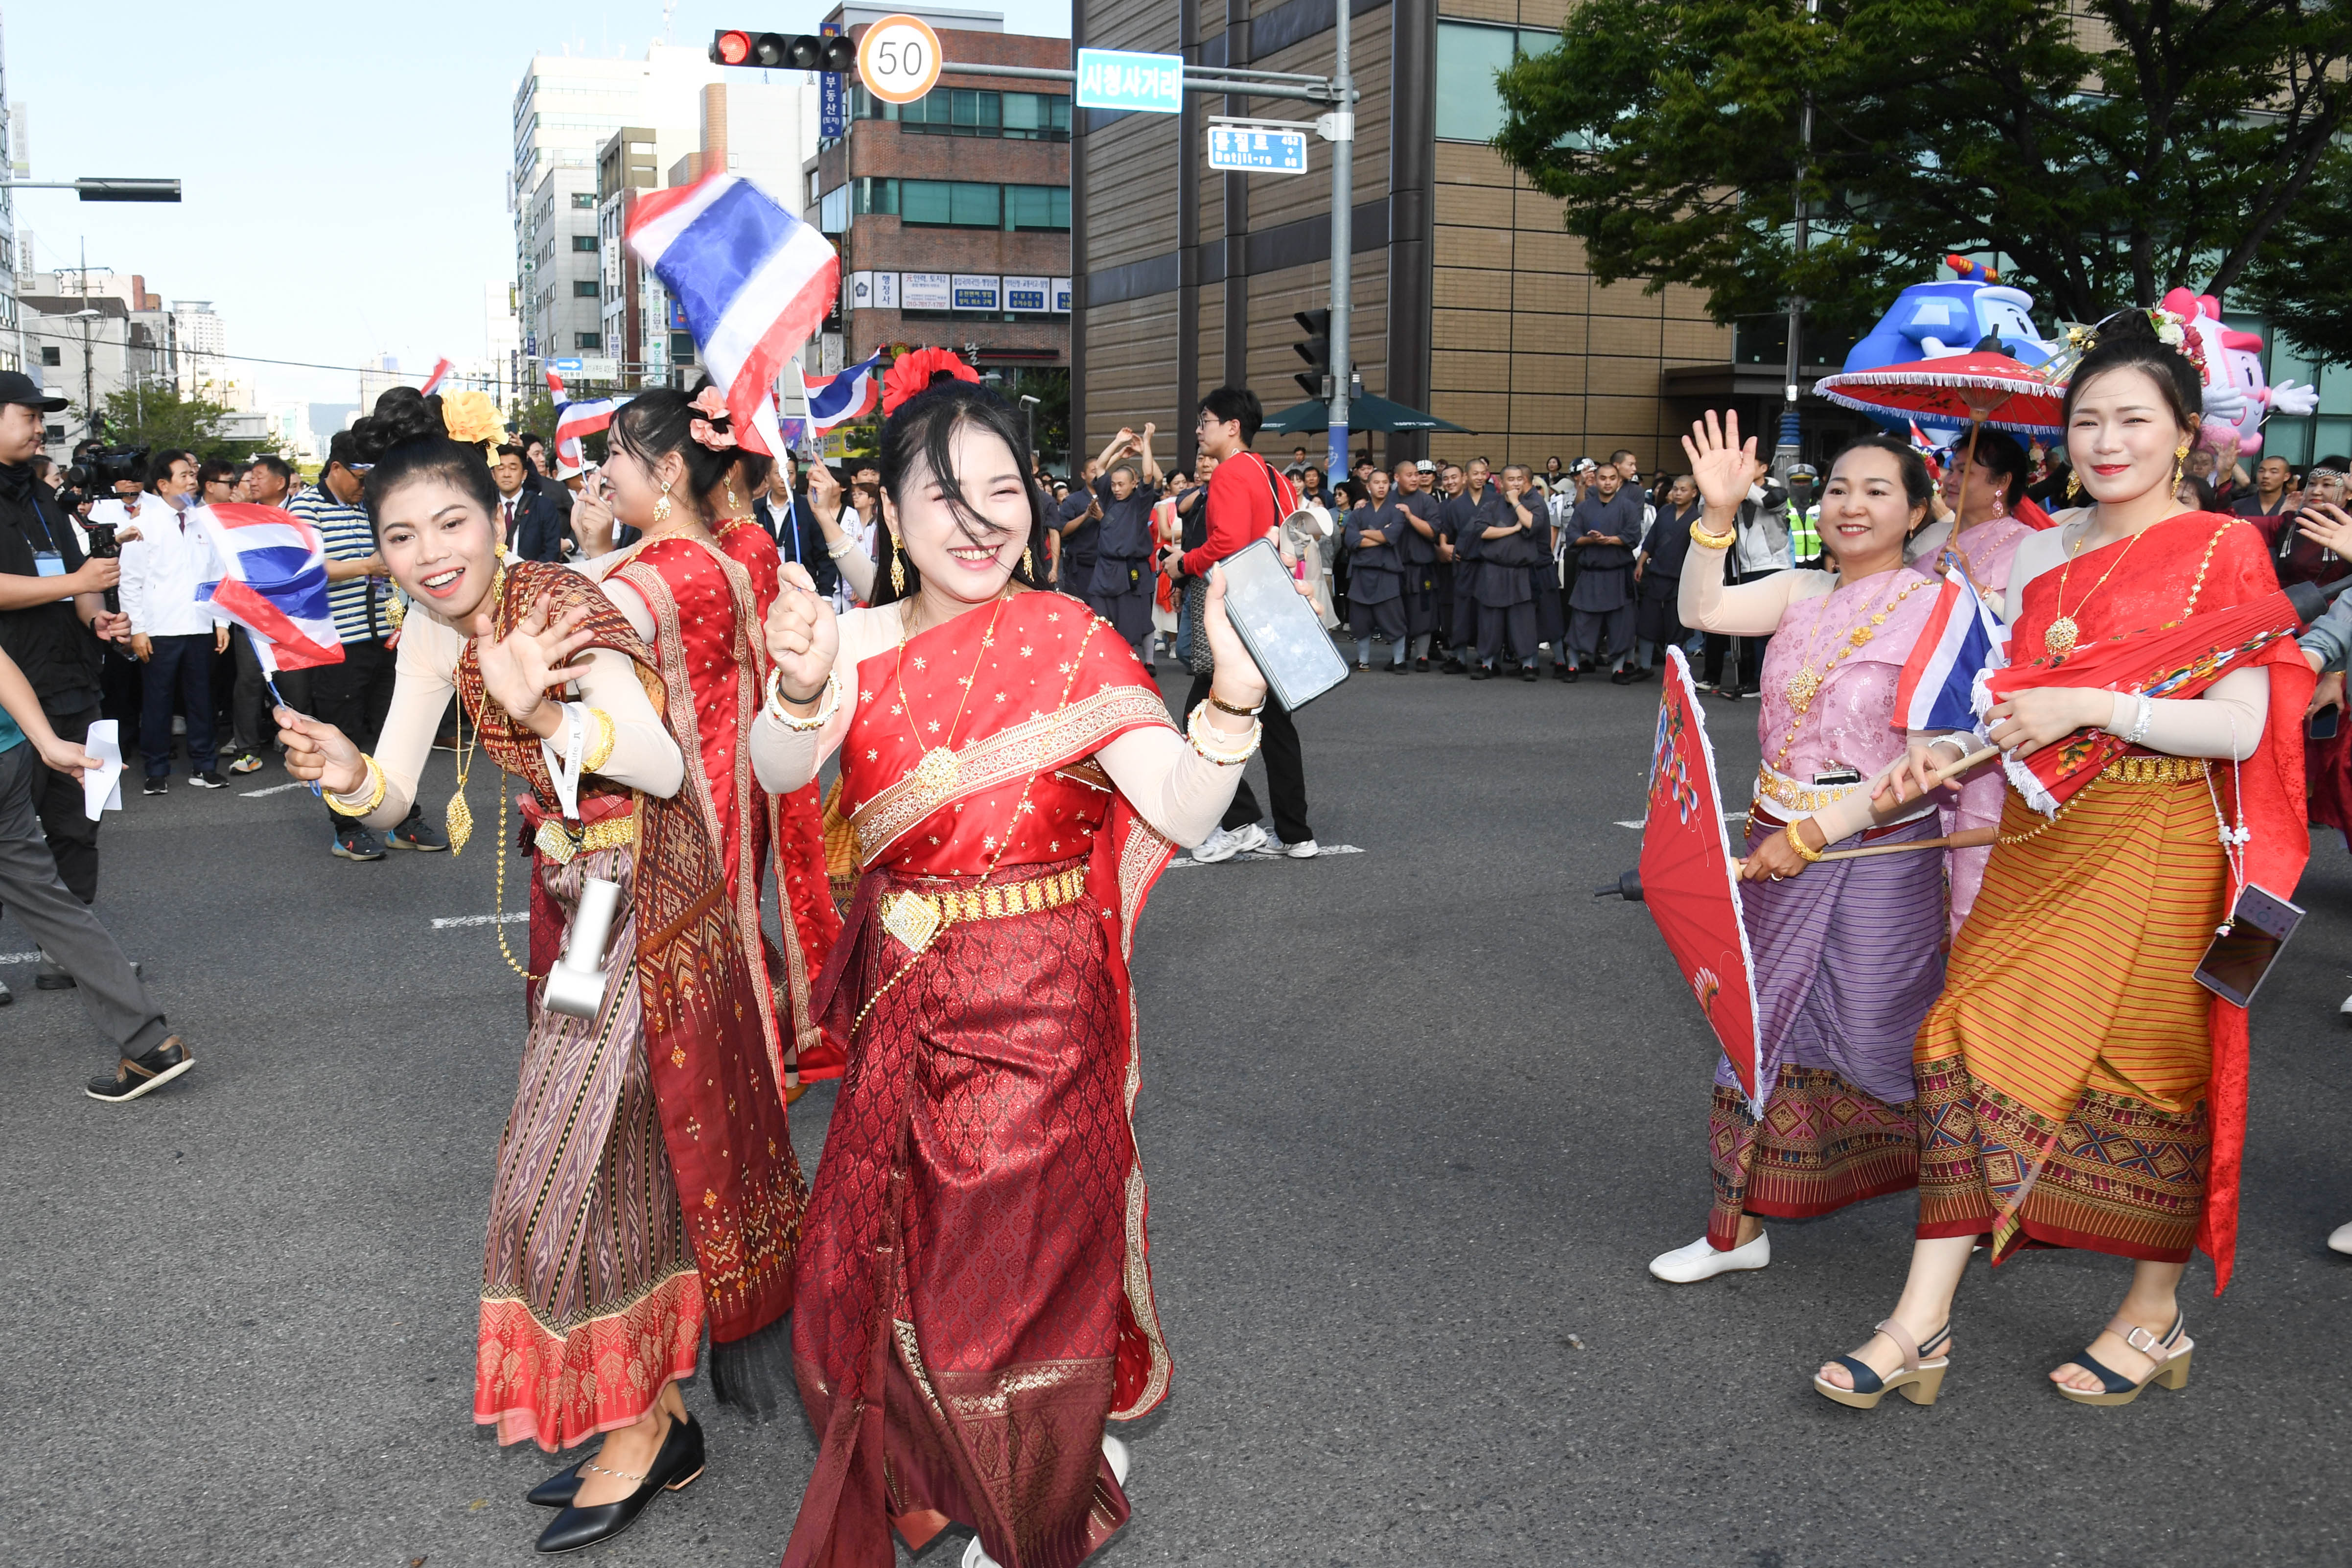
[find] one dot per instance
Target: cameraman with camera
(52, 629)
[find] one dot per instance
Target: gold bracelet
(1225, 706)
(376, 792)
(790, 721)
(1197, 726)
(1804, 853)
(1705, 541)
(600, 750)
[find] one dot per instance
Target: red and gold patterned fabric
(976, 1264)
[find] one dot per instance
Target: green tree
(159, 417)
(2110, 149)
(1050, 420)
(2302, 279)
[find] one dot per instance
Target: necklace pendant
(2061, 636)
(1803, 688)
(459, 820)
(936, 774)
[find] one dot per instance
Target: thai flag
(753, 281)
(273, 583)
(573, 420)
(441, 367)
(847, 394)
(1961, 639)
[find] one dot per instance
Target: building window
(55, 432)
(584, 288)
(1470, 109)
(584, 242)
(959, 203)
(587, 340)
(681, 348)
(585, 199)
(974, 112)
(833, 209)
(950, 204)
(1036, 206)
(51, 356)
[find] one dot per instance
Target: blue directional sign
(564, 366)
(1122, 78)
(1251, 150)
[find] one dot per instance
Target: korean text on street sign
(1246, 149)
(898, 58)
(1121, 78)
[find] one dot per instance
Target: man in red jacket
(1247, 501)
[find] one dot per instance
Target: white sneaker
(1226, 842)
(1689, 1264)
(1304, 850)
(2341, 1239)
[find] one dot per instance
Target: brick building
(953, 213)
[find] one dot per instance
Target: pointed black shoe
(678, 1463)
(558, 1489)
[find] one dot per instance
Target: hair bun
(402, 414)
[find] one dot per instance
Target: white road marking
(1728, 817)
(273, 789)
(443, 922)
(20, 958)
(1267, 855)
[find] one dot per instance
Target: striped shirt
(358, 602)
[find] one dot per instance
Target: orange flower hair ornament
(914, 372)
(711, 428)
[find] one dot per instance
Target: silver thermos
(576, 985)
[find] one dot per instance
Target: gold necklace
(936, 770)
(459, 818)
(1811, 684)
(2064, 633)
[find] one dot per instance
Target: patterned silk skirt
(591, 1298)
(2061, 1074)
(1848, 957)
(961, 1268)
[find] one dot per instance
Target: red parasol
(1688, 879)
(1981, 387)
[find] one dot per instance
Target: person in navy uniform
(1376, 579)
(1077, 520)
(1469, 489)
(1513, 533)
(1120, 588)
(1606, 526)
(1417, 552)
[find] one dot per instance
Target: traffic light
(782, 51)
(1316, 351)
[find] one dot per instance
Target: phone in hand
(2324, 724)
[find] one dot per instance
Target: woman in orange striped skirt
(2077, 1086)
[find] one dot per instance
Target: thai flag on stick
(273, 583)
(441, 367)
(1961, 640)
(753, 281)
(847, 394)
(573, 420)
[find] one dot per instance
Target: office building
(197, 343)
(90, 335)
(951, 214)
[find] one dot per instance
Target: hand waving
(517, 669)
(1719, 461)
(803, 637)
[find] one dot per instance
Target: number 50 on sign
(898, 58)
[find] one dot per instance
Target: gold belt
(916, 918)
(557, 843)
(1777, 787)
(2157, 770)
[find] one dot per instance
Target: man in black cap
(51, 628)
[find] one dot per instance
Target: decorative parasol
(1984, 386)
(1689, 881)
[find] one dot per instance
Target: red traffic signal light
(802, 52)
(732, 47)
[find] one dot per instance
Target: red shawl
(2142, 631)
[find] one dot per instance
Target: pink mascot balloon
(2236, 394)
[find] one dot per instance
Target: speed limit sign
(898, 58)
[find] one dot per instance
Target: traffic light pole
(1343, 242)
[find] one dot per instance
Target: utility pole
(1786, 453)
(1343, 170)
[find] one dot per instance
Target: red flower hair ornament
(709, 428)
(914, 372)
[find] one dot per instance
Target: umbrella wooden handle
(1968, 838)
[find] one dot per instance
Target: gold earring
(2074, 483)
(898, 564)
(661, 506)
(2180, 463)
(499, 550)
(1028, 566)
(732, 502)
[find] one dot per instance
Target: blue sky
(341, 163)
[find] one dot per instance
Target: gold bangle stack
(1197, 727)
(377, 788)
(1705, 541)
(1222, 706)
(1796, 842)
(600, 750)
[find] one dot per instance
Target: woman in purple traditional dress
(1849, 954)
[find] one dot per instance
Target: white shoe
(2340, 1241)
(1226, 842)
(1689, 1264)
(1116, 1452)
(974, 1557)
(2346, 1008)
(1304, 850)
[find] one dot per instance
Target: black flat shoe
(558, 1489)
(678, 1463)
(1480, 672)
(1420, 666)
(1528, 672)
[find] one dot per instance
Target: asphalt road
(1416, 1119)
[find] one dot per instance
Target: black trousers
(1515, 622)
(1444, 605)
(181, 665)
(1285, 771)
(250, 726)
(1551, 613)
(1463, 638)
(355, 696)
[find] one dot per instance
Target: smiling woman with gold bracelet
(1846, 953)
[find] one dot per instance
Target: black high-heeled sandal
(2170, 1352)
(678, 1463)
(1917, 1380)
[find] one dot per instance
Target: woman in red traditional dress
(668, 461)
(2078, 1087)
(978, 1296)
(645, 1182)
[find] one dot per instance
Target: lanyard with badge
(49, 562)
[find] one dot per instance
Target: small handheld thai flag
(1961, 639)
(847, 394)
(441, 367)
(753, 281)
(273, 583)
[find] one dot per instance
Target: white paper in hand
(101, 786)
